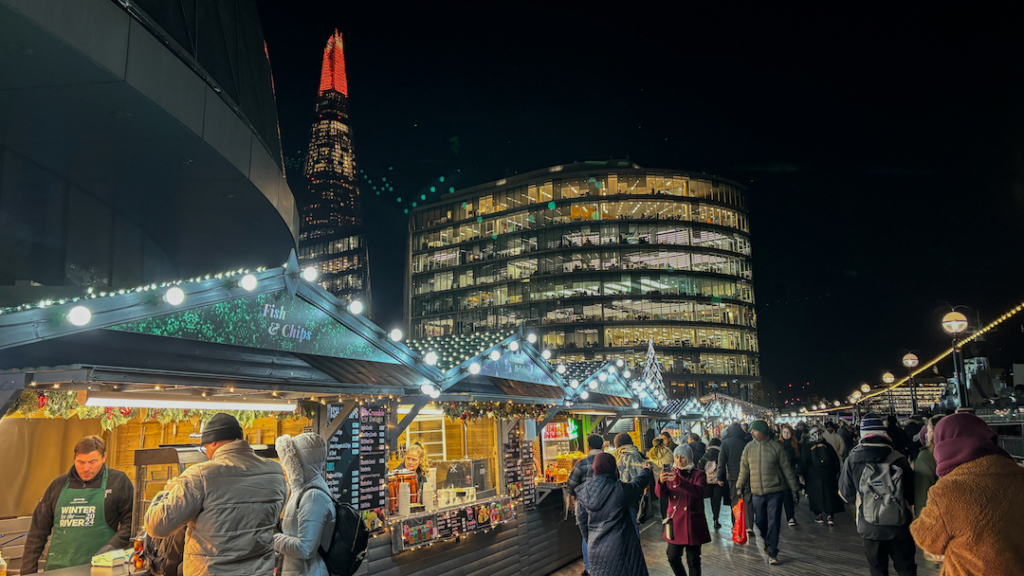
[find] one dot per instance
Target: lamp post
(855, 398)
(955, 324)
(888, 379)
(910, 361)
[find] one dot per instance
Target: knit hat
(604, 463)
(684, 450)
(961, 438)
(872, 426)
(759, 425)
(221, 427)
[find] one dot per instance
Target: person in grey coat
(308, 521)
(230, 505)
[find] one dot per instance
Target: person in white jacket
(308, 521)
(230, 505)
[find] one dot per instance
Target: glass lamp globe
(954, 323)
(865, 388)
(888, 378)
(910, 360)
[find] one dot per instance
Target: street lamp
(865, 388)
(856, 404)
(910, 361)
(955, 324)
(888, 378)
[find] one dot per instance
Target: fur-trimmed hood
(303, 458)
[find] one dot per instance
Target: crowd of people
(939, 483)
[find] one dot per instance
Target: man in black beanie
(230, 504)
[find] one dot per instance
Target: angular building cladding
(331, 236)
(138, 143)
(597, 258)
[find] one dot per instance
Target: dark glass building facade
(331, 237)
(598, 258)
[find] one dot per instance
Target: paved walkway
(807, 549)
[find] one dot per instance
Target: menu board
(450, 523)
(357, 458)
(519, 469)
(425, 529)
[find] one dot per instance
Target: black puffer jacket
(602, 510)
(733, 443)
(874, 449)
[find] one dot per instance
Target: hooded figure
(973, 511)
(606, 522)
(733, 442)
(308, 521)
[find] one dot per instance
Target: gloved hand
(105, 549)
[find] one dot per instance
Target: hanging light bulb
(620, 363)
(626, 374)
(602, 377)
(310, 274)
(495, 355)
(79, 316)
(561, 369)
(513, 346)
(531, 338)
(546, 354)
(174, 296)
(474, 368)
(355, 307)
(248, 282)
(430, 358)
(574, 383)
(584, 395)
(396, 334)
(435, 393)
(635, 404)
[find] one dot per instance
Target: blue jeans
(586, 561)
(768, 517)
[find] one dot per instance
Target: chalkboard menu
(357, 458)
(519, 469)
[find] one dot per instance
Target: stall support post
(11, 386)
(613, 422)
(327, 426)
(417, 405)
(547, 419)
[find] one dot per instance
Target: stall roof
(254, 328)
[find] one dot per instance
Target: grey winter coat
(308, 524)
(230, 505)
(603, 511)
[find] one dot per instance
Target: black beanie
(221, 427)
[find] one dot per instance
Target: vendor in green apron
(88, 511)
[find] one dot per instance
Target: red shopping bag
(739, 525)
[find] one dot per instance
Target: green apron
(80, 526)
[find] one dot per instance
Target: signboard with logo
(274, 321)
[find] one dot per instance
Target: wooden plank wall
(550, 542)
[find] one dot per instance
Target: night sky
(883, 145)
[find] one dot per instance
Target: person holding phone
(685, 529)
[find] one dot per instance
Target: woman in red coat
(685, 527)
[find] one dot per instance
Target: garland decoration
(61, 404)
(470, 411)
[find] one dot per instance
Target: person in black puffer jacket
(733, 443)
(582, 472)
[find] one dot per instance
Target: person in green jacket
(766, 469)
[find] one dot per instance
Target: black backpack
(349, 540)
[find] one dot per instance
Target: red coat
(686, 506)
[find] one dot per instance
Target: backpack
(883, 500)
(711, 470)
(349, 540)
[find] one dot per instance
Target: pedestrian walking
(686, 528)
(792, 448)
(900, 439)
(660, 457)
(715, 491)
(733, 443)
(581, 472)
(230, 504)
(309, 515)
(848, 435)
(698, 446)
(630, 463)
(607, 519)
(879, 479)
(925, 475)
(974, 510)
(832, 436)
(765, 468)
(820, 465)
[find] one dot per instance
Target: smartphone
(666, 468)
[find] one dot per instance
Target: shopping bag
(739, 525)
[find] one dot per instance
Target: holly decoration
(469, 411)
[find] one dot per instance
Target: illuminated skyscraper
(331, 237)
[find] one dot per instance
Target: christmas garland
(470, 411)
(58, 404)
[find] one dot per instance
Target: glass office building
(597, 258)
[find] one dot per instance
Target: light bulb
(248, 282)
(396, 335)
(430, 358)
(310, 274)
(79, 316)
(626, 374)
(427, 388)
(546, 354)
(435, 393)
(474, 368)
(514, 346)
(593, 384)
(355, 307)
(561, 369)
(574, 383)
(495, 355)
(584, 395)
(619, 363)
(174, 296)
(531, 338)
